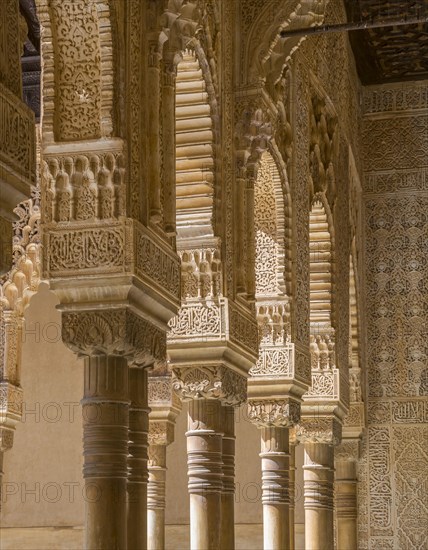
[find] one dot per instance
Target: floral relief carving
(274, 413)
(319, 430)
(394, 466)
(18, 136)
(77, 69)
(216, 382)
(114, 332)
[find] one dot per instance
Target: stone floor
(248, 537)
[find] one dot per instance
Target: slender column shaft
(318, 475)
(275, 495)
(105, 444)
(168, 137)
(228, 494)
(251, 238)
(1, 481)
(204, 459)
(292, 493)
(346, 504)
(153, 82)
(137, 459)
(240, 238)
(156, 498)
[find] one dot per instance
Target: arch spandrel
(265, 52)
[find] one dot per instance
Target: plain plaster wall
(42, 482)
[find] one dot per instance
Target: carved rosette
(114, 332)
(319, 430)
(275, 413)
(210, 382)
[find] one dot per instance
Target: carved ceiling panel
(392, 53)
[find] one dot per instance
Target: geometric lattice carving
(396, 203)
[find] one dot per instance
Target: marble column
(153, 129)
(275, 494)
(204, 459)
(1, 481)
(105, 442)
(137, 459)
(318, 475)
(346, 504)
(169, 74)
(292, 483)
(228, 493)
(156, 498)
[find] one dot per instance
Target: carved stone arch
(178, 22)
(265, 52)
(323, 144)
(197, 127)
(321, 243)
(269, 224)
(78, 90)
(285, 219)
(16, 289)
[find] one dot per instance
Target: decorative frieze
(214, 320)
(198, 320)
(156, 261)
(83, 186)
(275, 361)
(325, 385)
(394, 99)
(18, 144)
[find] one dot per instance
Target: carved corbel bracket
(319, 429)
(210, 382)
(114, 332)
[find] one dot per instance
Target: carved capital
(276, 413)
(347, 450)
(161, 432)
(114, 332)
(6, 439)
(210, 382)
(319, 430)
